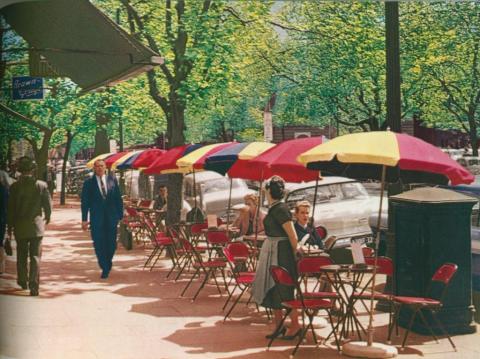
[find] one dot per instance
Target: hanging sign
(27, 88)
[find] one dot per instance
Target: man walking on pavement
(102, 199)
(27, 199)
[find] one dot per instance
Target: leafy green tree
(444, 40)
(195, 38)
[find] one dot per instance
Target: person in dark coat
(102, 201)
(28, 198)
(303, 228)
(3, 223)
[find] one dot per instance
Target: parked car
(454, 153)
(212, 191)
(343, 206)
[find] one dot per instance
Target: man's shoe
(34, 292)
(104, 275)
(23, 285)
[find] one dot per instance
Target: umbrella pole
(131, 183)
(369, 349)
(374, 274)
(194, 194)
(312, 218)
(229, 203)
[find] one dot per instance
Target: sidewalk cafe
(432, 297)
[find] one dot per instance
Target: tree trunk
(176, 137)
(102, 143)
(64, 166)
(175, 198)
(473, 136)
(41, 156)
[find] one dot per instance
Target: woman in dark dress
(279, 249)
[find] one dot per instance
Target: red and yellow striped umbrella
(360, 155)
(195, 160)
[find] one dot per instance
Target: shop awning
(78, 39)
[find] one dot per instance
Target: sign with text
(27, 88)
(267, 126)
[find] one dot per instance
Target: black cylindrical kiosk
(432, 227)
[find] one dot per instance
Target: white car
(343, 206)
(212, 191)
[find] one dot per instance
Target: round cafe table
(352, 275)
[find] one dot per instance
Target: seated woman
(303, 228)
(246, 221)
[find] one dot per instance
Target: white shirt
(104, 180)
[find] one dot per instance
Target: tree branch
(276, 69)
(237, 16)
(291, 28)
(151, 42)
(23, 118)
(155, 93)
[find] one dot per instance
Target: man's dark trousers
(29, 247)
(104, 237)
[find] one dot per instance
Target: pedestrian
(280, 248)
(102, 204)
(28, 198)
(3, 223)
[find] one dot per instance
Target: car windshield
(329, 193)
(220, 184)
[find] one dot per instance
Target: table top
(346, 268)
(251, 237)
(222, 228)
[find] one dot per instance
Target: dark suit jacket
(102, 212)
(28, 198)
(314, 237)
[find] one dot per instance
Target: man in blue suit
(102, 199)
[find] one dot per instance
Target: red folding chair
(322, 232)
(145, 203)
(134, 224)
(216, 241)
(385, 267)
(208, 266)
(237, 254)
(308, 268)
(368, 252)
(309, 306)
(160, 241)
(442, 276)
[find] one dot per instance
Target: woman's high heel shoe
(293, 336)
(281, 332)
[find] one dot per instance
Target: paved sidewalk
(139, 314)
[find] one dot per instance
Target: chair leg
(333, 330)
(422, 317)
(394, 323)
(207, 276)
(301, 336)
(230, 295)
(434, 315)
(278, 328)
(412, 319)
(213, 271)
(234, 303)
(154, 251)
(190, 282)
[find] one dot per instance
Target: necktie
(102, 186)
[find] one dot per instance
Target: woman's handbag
(7, 245)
